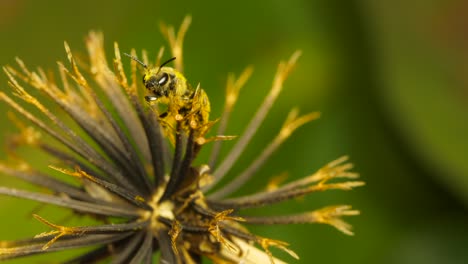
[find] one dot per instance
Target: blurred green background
(390, 78)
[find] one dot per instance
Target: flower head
(131, 162)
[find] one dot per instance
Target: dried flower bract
(129, 164)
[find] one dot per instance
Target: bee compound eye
(163, 79)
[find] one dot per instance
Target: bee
(169, 87)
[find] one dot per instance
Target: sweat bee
(184, 104)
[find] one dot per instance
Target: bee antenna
(166, 62)
(136, 59)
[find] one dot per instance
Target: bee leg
(150, 98)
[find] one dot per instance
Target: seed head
(130, 165)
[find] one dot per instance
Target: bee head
(159, 81)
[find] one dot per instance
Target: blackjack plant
(121, 151)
